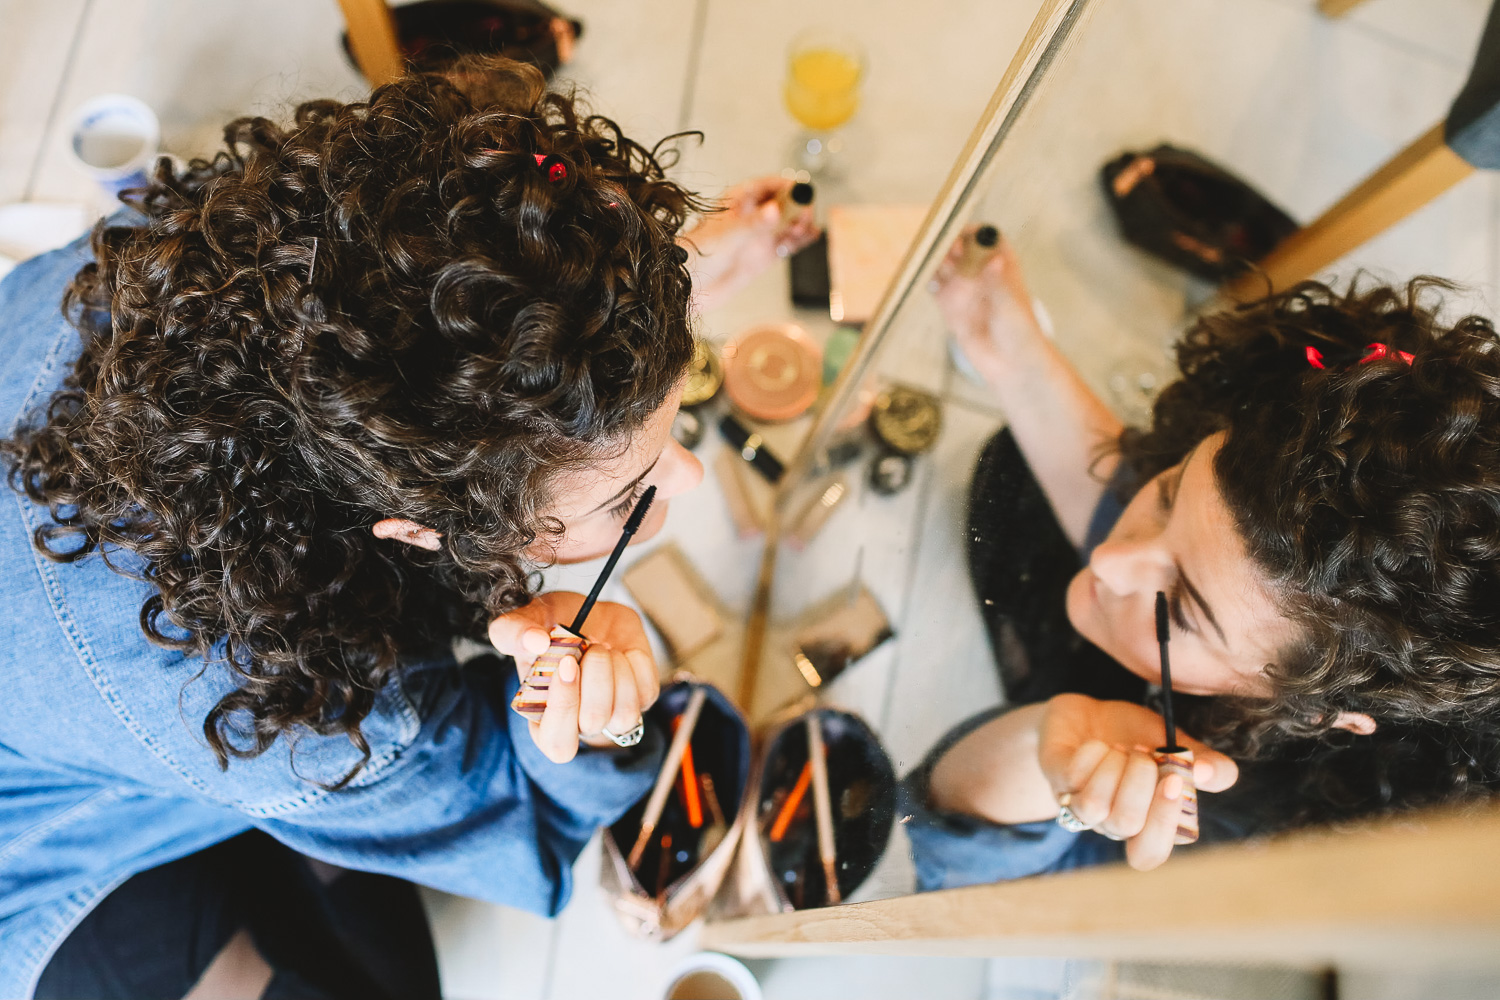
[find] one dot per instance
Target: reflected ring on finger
(629, 739)
(1066, 818)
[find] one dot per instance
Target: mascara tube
(1179, 761)
(752, 448)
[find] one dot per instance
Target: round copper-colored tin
(907, 420)
(773, 372)
(705, 375)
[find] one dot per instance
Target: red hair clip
(556, 172)
(1373, 352)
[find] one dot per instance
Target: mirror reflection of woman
(338, 396)
(1318, 496)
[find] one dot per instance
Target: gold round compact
(773, 373)
(906, 420)
(705, 375)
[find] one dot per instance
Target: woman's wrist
(994, 772)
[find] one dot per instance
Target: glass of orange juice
(824, 70)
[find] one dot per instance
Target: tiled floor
(1300, 106)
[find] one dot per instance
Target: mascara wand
(632, 525)
(531, 700)
(1173, 759)
(1163, 634)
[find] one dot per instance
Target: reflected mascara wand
(1174, 759)
(531, 700)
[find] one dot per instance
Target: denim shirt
(104, 771)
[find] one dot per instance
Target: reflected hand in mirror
(1014, 769)
(751, 232)
(611, 688)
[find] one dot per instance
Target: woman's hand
(732, 246)
(614, 684)
(1099, 752)
(989, 311)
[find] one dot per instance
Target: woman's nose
(677, 471)
(1134, 566)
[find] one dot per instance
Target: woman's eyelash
(624, 507)
(1174, 607)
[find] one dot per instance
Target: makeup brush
(1174, 759)
(668, 774)
(823, 809)
(531, 700)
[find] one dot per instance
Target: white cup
(114, 138)
(709, 975)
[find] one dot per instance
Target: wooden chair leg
(1412, 178)
(1337, 8)
(372, 39)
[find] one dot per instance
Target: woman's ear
(409, 532)
(1355, 722)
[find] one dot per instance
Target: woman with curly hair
(341, 390)
(1318, 496)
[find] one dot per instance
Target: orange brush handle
(688, 787)
(789, 807)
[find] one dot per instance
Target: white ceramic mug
(114, 139)
(709, 975)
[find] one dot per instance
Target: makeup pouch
(683, 864)
(779, 866)
(1191, 212)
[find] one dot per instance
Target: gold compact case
(705, 375)
(906, 420)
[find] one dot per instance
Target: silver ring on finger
(629, 739)
(1066, 817)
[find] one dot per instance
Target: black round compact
(891, 473)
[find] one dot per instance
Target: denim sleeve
(474, 808)
(955, 849)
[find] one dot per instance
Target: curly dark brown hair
(389, 308)
(1369, 493)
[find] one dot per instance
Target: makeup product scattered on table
(809, 520)
(866, 244)
(978, 247)
(794, 202)
(676, 600)
(705, 375)
(906, 420)
(1173, 759)
(840, 633)
(746, 494)
(752, 448)
(773, 373)
(531, 700)
(891, 473)
(687, 429)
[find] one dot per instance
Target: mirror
(881, 597)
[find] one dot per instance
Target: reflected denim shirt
(104, 771)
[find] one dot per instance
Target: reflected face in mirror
(594, 503)
(1178, 536)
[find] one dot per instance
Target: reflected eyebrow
(628, 487)
(1202, 604)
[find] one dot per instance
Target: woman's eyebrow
(1208, 612)
(628, 487)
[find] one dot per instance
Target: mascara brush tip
(639, 514)
(1162, 633)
